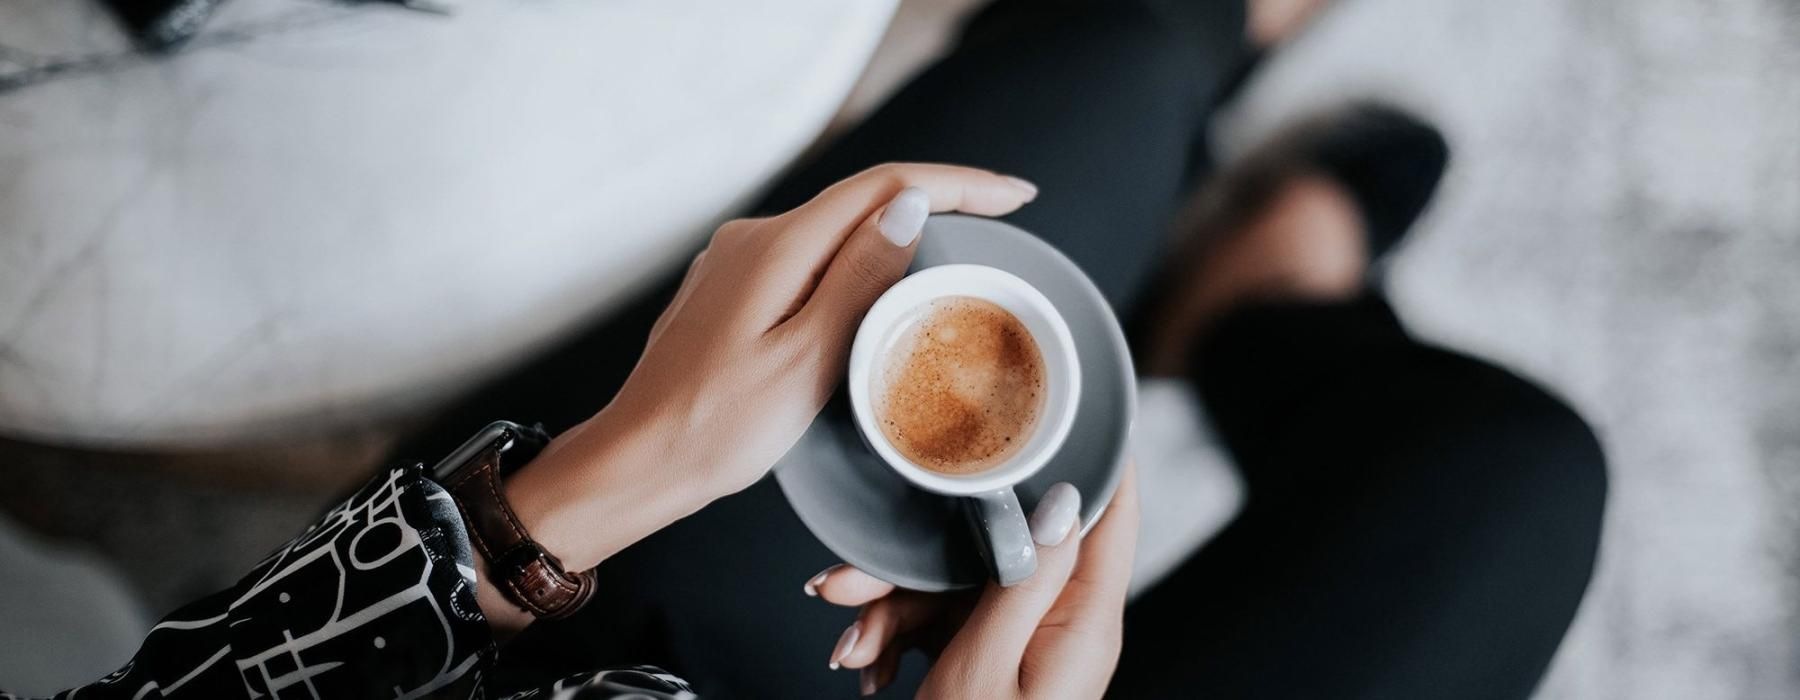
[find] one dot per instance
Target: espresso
(961, 389)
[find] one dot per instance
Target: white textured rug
(1622, 222)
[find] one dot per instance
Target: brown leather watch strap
(527, 574)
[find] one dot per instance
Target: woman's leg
(1418, 523)
(1099, 103)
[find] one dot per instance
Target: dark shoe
(1390, 163)
(1303, 218)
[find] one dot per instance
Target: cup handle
(1006, 543)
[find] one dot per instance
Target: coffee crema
(960, 391)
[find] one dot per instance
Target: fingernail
(905, 216)
(1023, 184)
(845, 644)
(868, 681)
(1055, 514)
(812, 584)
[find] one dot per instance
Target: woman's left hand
(1054, 635)
(746, 355)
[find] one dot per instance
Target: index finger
(848, 586)
(1103, 573)
(841, 207)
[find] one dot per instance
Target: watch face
(517, 445)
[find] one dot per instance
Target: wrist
(602, 486)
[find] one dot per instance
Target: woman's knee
(1559, 449)
(1527, 455)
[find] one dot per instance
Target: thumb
(871, 259)
(1004, 620)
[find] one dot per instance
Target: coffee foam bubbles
(961, 390)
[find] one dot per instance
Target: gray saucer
(875, 520)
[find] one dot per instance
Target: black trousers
(1418, 523)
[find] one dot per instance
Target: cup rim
(884, 318)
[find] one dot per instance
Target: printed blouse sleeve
(375, 599)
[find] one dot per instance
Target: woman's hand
(757, 339)
(1056, 635)
(745, 356)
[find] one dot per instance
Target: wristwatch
(521, 569)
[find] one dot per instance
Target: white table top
(354, 212)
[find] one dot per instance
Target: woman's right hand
(753, 345)
(1055, 635)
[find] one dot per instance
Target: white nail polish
(845, 644)
(1055, 515)
(1023, 184)
(905, 216)
(867, 681)
(811, 587)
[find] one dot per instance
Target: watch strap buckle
(529, 576)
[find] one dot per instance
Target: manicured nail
(845, 644)
(868, 681)
(812, 584)
(1023, 184)
(905, 216)
(1055, 514)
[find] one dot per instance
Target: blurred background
(232, 273)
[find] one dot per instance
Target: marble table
(320, 214)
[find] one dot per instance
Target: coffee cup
(986, 485)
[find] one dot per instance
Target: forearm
(595, 490)
(371, 600)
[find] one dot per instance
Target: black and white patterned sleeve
(377, 599)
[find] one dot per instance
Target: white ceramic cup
(993, 508)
